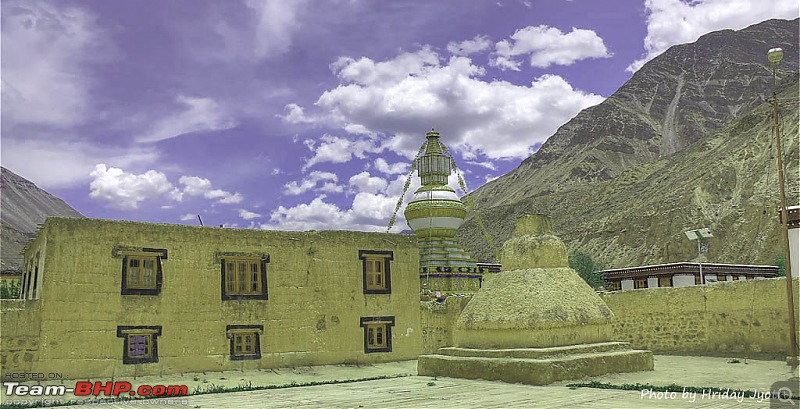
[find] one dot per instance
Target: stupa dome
(536, 301)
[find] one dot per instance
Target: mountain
(685, 143)
(22, 207)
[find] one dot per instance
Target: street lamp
(698, 235)
(775, 56)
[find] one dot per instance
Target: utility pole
(775, 56)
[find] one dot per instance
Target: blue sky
(301, 114)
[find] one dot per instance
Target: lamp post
(698, 235)
(775, 56)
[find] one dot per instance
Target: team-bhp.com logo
(83, 388)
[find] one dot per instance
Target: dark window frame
(264, 295)
(387, 256)
(160, 254)
(230, 333)
(388, 322)
(126, 331)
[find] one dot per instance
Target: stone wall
(738, 318)
(19, 338)
(311, 317)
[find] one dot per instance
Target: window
(141, 344)
(245, 341)
(640, 283)
(244, 278)
(377, 271)
(665, 281)
(377, 334)
(722, 277)
(614, 286)
(697, 280)
(142, 272)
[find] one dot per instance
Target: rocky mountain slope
(22, 207)
(685, 143)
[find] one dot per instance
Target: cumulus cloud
(327, 180)
(196, 115)
(366, 183)
(395, 168)
(546, 46)
(671, 22)
(197, 186)
(467, 47)
(188, 216)
(125, 191)
(336, 149)
(294, 115)
(399, 96)
(370, 209)
(66, 163)
(248, 215)
(46, 48)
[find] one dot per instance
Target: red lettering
(120, 387)
(143, 390)
(83, 388)
(159, 390)
(100, 387)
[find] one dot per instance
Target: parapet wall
(739, 318)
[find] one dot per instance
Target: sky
(298, 114)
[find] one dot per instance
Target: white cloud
(405, 95)
(194, 186)
(395, 168)
(294, 115)
(467, 47)
(369, 184)
(546, 46)
(335, 149)
(197, 115)
(328, 180)
(487, 165)
(370, 210)
(125, 191)
(46, 48)
(277, 20)
(197, 186)
(231, 198)
(188, 216)
(671, 22)
(317, 215)
(66, 163)
(248, 215)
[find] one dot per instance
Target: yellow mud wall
(737, 318)
(312, 316)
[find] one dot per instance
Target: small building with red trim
(682, 274)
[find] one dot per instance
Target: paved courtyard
(424, 392)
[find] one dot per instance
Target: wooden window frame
(368, 257)
(665, 277)
(155, 255)
(373, 324)
(227, 278)
(151, 333)
(637, 281)
(235, 333)
(614, 285)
